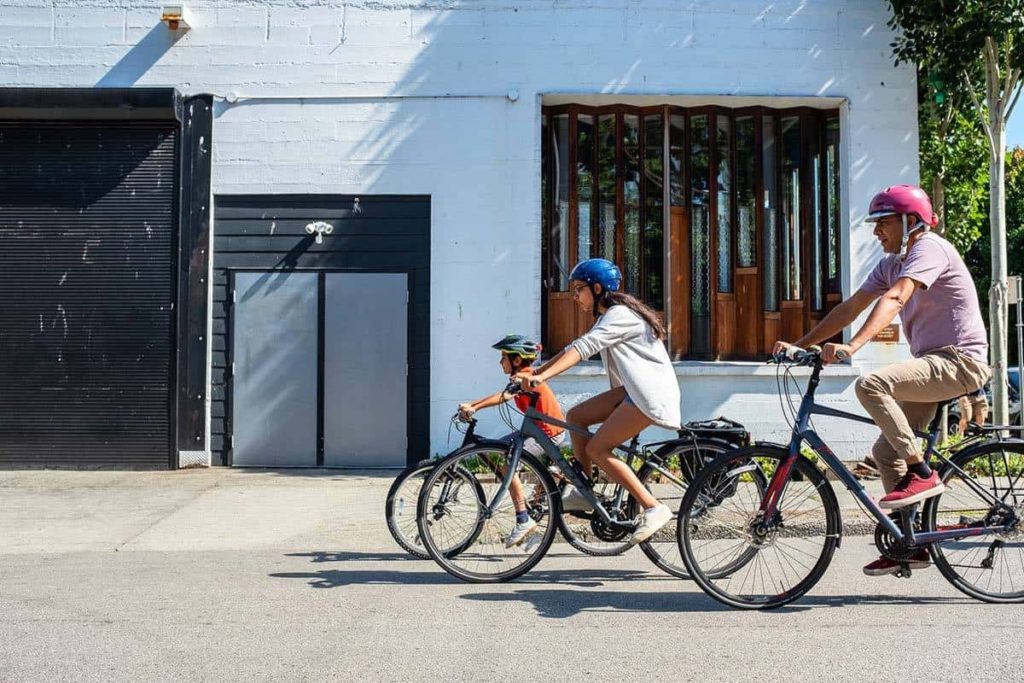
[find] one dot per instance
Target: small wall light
(319, 228)
(176, 17)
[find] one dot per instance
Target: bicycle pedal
(904, 572)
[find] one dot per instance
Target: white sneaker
(574, 501)
(650, 522)
(519, 533)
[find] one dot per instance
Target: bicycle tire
(547, 507)
(722, 481)
(953, 557)
(395, 506)
(666, 555)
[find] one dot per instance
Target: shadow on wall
(147, 52)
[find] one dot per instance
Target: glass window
(746, 198)
(700, 238)
(654, 211)
(791, 266)
(769, 161)
(631, 196)
(606, 186)
(677, 152)
(724, 213)
(559, 265)
(817, 245)
(832, 202)
(584, 183)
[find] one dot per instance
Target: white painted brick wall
(478, 157)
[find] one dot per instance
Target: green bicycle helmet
(518, 345)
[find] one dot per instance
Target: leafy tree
(962, 44)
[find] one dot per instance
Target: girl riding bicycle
(517, 354)
(629, 336)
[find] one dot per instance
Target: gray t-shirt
(944, 310)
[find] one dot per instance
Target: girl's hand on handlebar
(836, 353)
(466, 411)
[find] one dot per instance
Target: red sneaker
(912, 489)
(883, 565)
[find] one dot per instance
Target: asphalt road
(207, 581)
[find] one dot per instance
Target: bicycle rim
(683, 463)
(400, 509)
(740, 560)
(990, 567)
(445, 523)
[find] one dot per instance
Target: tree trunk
(939, 201)
(997, 294)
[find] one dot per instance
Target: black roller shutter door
(87, 240)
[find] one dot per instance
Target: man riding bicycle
(922, 279)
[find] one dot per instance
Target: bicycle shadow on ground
(318, 556)
(561, 604)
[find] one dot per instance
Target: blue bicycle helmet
(598, 271)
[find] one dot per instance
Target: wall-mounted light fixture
(176, 17)
(319, 228)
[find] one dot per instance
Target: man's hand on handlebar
(836, 353)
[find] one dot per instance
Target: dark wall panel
(373, 233)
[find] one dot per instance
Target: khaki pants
(905, 396)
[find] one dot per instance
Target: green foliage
(953, 149)
(979, 256)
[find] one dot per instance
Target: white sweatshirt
(637, 360)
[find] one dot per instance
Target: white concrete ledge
(720, 369)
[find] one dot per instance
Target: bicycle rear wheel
(484, 559)
(990, 567)
(683, 462)
(743, 560)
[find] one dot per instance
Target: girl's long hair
(646, 313)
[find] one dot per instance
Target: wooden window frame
(677, 219)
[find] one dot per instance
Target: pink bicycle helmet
(902, 199)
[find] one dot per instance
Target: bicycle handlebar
(794, 355)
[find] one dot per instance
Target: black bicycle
(973, 530)
(443, 523)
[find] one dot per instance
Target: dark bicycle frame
(802, 432)
(530, 429)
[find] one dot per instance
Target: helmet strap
(909, 230)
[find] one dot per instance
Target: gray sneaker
(574, 501)
(650, 521)
(519, 533)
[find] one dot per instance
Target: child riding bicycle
(517, 354)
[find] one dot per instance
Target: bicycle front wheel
(400, 509)
(989, 567)
(736, 555)
(487, 557)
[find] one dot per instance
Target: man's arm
(837, 319)
(887, 308)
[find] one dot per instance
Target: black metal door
(87, 290)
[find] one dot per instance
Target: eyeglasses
(577, 288)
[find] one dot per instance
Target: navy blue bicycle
(973, 531)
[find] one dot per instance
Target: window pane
(700, 243)
(791, 270)
(654, 211)
(746, 200)
(832, 213)
(724, 205)
(545, 196)
(769, 161)
(677, 147)
(584, 183)
(559, 265)
(817, 246)
(606, 186)
(631, 192)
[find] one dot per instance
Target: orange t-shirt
(546, 404)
